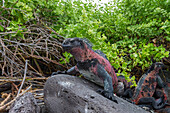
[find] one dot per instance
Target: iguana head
(77, 47)
(120, 88)
(156, 66)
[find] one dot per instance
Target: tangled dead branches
(43, 54)
(40, 48)
(34, 43)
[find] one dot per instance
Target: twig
(5, 100)
(51, 30)
(30, 65)
(35, 90)
(46, 46)
(5, 33)
(9, 80)
(4, 18)
(15, 79)
(13, 60)
(47, 59)
(42, 103)
(15, 86)
(3, 3)
(4, 106)
(25, 72)
(166, 60)
(2, 71)
(38, 66)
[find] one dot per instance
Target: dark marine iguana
(125, 91)
(93, 65)
(147, 87)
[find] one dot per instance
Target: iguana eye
(72, 41)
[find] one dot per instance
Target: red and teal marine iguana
(148, 86)
(93, 65)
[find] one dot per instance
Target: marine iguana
(127, 90)
(146, 87)
(93, 65)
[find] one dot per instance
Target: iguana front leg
(71, 71)
(107, 80)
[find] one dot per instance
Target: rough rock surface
(25, 104)
(69, 94)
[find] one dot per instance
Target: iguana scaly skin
(93, 65)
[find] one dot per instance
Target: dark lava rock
(25, 104)
(69, 94)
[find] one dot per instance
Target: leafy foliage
(127, 31)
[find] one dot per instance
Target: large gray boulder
(69, 94)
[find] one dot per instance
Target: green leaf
(116, 65)
(167, 54)
(135, 54)
(124, 65)
(13, 12)
(1, 28)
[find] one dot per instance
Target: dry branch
(25, 72)
(5, 100)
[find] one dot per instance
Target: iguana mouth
(67, 47)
